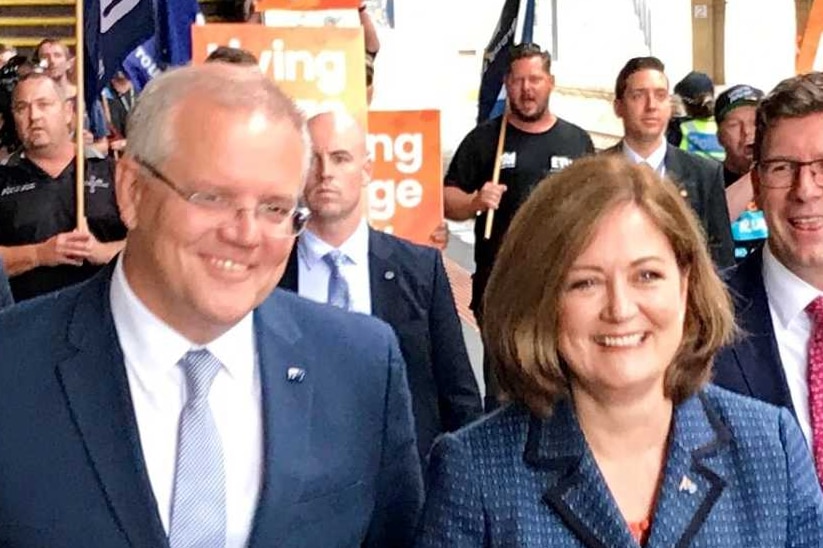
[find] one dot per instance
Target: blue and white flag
(112, 29)
(170, 45)
(492, 95)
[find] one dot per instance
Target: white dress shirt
(151, 350)
(313, 273)
(788, 298)
(656, 159)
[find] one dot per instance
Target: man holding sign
(340, 260)
(536, 143)
(39, 243)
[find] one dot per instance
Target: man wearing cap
(697, 131)
(734, 112)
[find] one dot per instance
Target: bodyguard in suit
(642, 101)
(379, 274)
(174, 400)
(613, 439)
(778, 289)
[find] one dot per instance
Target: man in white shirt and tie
(341, 261)
(174, 399)
(778, 289)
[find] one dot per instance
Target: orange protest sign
(306, 5)
(406, 190)
(321, 68)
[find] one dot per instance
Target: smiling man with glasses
(176, 398)
(779, 288)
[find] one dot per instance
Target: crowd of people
(224, 353)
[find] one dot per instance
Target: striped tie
(198, 512)
(338, 287)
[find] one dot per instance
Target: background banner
(322, 69)
(405, 195)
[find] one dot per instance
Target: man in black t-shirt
(40, 246)
(537, 144)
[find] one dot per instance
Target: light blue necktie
(338, 287)
(198, 512)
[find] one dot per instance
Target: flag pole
(498, 158)
(79, 71)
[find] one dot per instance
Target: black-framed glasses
(783, 173)
(278, 219)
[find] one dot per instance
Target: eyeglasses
(277, 220)
(783, 173)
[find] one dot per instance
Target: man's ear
(128, 189)
(368, 168)
(617, 105)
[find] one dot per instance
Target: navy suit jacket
(701, 181)
(737, 475)
(410, 292)
(340, 461)
(751, 365)
(6, 299)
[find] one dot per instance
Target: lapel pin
(295, 374)
(687, 485)
(389, 275)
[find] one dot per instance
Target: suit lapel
(287, 401)
(290, 275)
(757, 354)
(674, 171)
(384, 281)
(576, 490)
(692, 479)
(96, 389)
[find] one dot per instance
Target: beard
(519, 114)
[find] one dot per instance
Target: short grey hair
(152, 136)
(59, 89)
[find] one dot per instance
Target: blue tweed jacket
(738, 474)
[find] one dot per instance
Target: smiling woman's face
(622, 307)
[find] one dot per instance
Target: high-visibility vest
(699, 136)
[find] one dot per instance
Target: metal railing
(644, 16)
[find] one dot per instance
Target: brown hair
(527, 51)
(234, 56)
(549, 231)
(52, 42)
(635, 64)
(794, 97)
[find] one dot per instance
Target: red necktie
(815, 381)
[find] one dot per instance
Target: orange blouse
(640, 531)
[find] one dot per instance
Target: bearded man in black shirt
(537, 143)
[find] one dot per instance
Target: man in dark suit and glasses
(379, 274)
(777, 286)
(174, 399)
(642, 101)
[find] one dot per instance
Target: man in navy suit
(399, 282)
(174, 399)
(773, 287)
